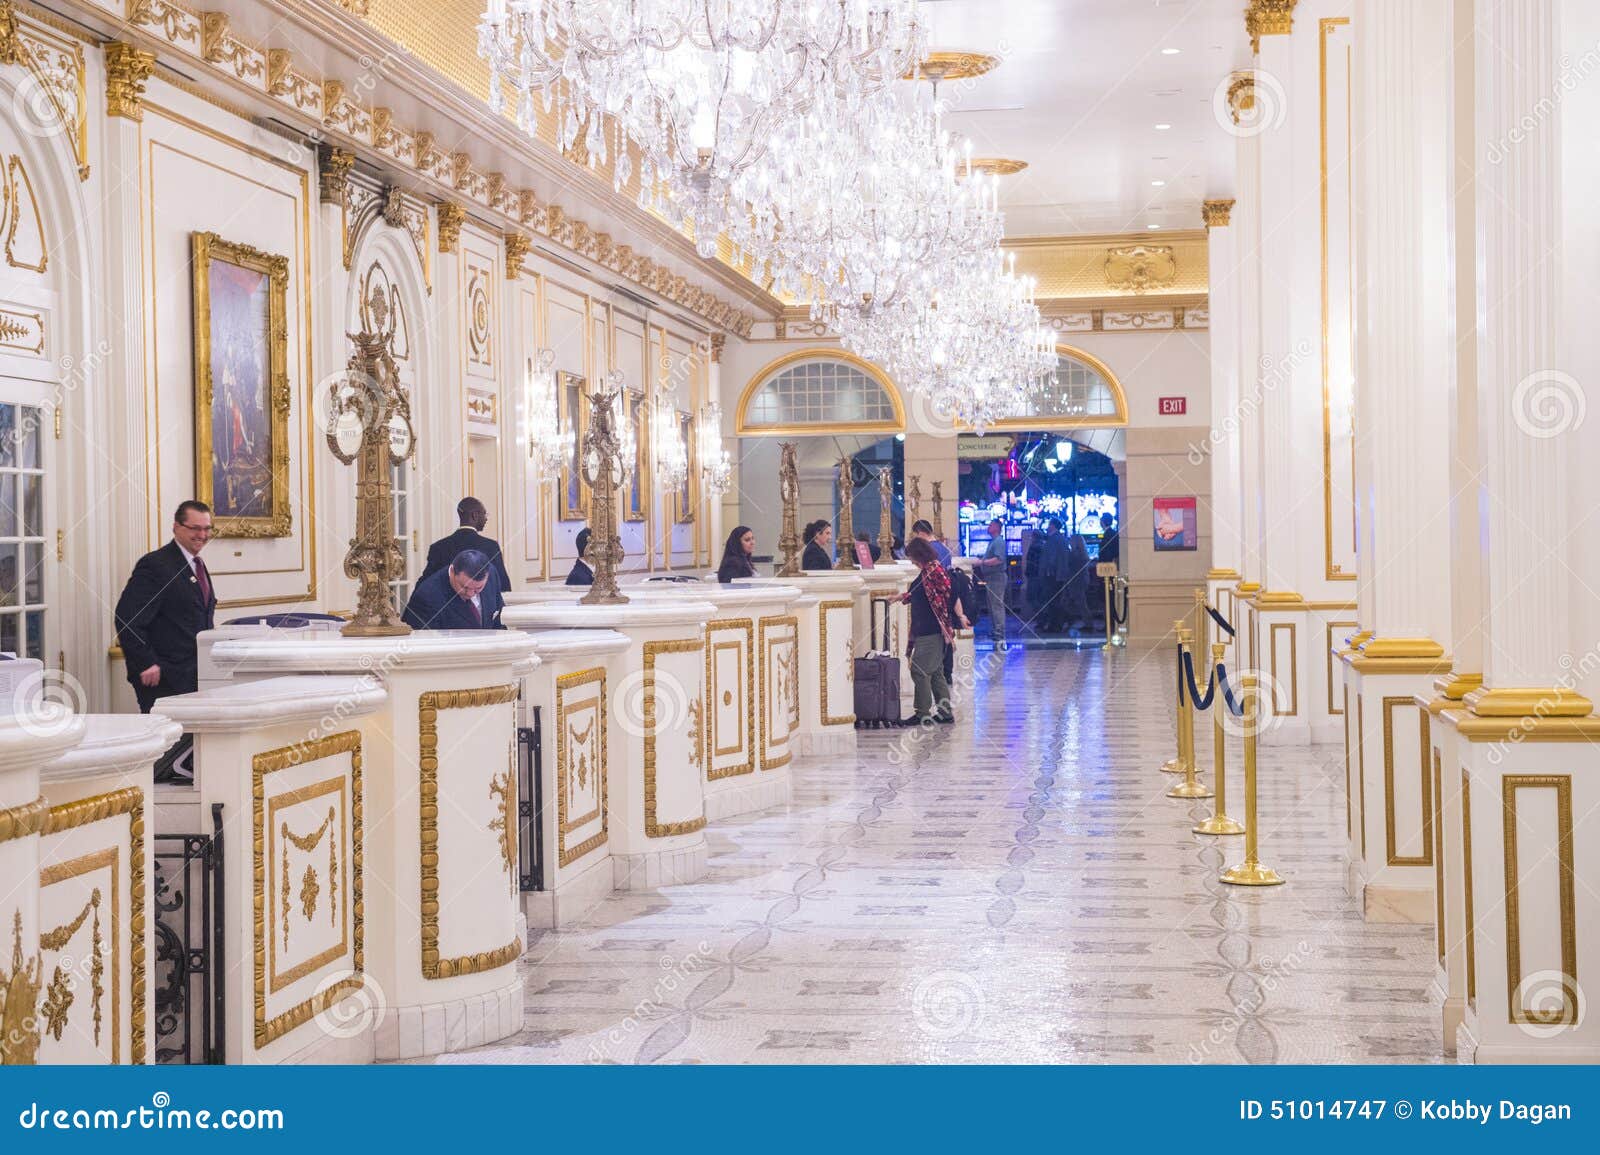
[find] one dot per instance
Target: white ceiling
(1080, 87)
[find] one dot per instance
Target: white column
(1403, 354)
(1223, 295)
(1527, 385)
(1246, 228)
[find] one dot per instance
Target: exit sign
(1173, 406)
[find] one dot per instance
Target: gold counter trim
(1469, 933)
(1349, 827)
(822, 661)
(106, 859)
(1438, 849)
(653, 828)
(1515, 702)
(1511, 784)
(428, 706)
(270, 762)
(748, 741)
(767, 644)
(130, 801)
(1294, 667)
(566, 855)
(1361, 768)
(1328, 650)
(21, 821)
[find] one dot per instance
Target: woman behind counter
(737, 556)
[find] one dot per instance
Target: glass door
(24, 600)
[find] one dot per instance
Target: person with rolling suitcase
(931, 632)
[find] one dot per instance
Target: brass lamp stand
(789, 490)
(847, 529)
(603, 470)
(369, 424)
(885, 515)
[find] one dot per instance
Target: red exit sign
(1173, 406)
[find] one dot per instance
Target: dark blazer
(442, 552)
(158, 616)
(735, 569)
(435, 605)
(581, 574)
(1110, 547)
(815, 557)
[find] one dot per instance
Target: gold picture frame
(684, 500)
(241, 375)
(572, 412)
(636, 502)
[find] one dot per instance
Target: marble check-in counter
(370, 788)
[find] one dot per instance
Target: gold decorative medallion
(1140, 268)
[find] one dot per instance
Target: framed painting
(637, 506)
(241, 395)
(572, 413)
(686, 492)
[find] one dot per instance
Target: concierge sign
(1175, 520)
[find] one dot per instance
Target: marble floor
(1013, 888)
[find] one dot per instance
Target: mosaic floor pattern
(1013, 888)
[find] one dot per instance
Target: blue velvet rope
(1202, 701)
(1235, 707)
(1221, 621)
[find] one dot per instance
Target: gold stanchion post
(1201, 633)
(1219, 823)
(1175, 765)
(1191, 786)
(1250, 872)
(1106, 571)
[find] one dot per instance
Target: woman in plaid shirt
(931, 631)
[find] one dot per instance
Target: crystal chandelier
(549, 446)
(716, 467)
(700, 86)
(626, 438)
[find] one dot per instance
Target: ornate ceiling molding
(1215, 212)
(334, 109)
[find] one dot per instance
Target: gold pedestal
(1249, 873)
(1218, 824)
(1190, 790)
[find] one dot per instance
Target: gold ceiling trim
(1116, 270)
(953, 65)
(998, 165)
(331, 109)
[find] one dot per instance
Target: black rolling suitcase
(877, 690)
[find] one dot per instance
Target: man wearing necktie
(465, 596)
(168, 600)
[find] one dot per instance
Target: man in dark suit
(473, 518)
(168, 600)
(581, 574)
(465, 595)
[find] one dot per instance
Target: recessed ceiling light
(1162, 127)
(1171, 51)
(1158, 183)
(1152, 226)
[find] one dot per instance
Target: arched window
(1086, 394)
(820, 391)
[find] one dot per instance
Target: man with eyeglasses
(166, 603)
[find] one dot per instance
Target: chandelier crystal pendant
(672, 455)
(549, 445)
(716, 467)
(700, 86)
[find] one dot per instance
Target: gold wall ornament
(603, 471)
(333, 173)
(19, 994)
(952, 65)
(10, 40)
(777, 690)
(428, 706)
(127, 70)
(480, 335)
(789, 490)
(997, 165)
(56, 64)
(847, 534)
(744, 650)
(451, 217)
(503, 786)
(578, 753)
(886, 513)
(1140, 268)
(938, 510)
(653, 827)
(1517, 887)
(369, 420)
(1241, 95)
(1215, 212)
(517, 246)
(718, 340)
(223, 402)
(21, 332)
(1268, 18)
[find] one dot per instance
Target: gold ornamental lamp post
(847, 531)
(369, 425)
(886, 515)
(913, 502)
(789, 490)
(938, 511)
(604, 470)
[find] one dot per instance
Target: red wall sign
(1174, 406)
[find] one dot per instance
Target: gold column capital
(1241, 94)
(333, 173)
(517, 245)
(1215, 212)
(127, 69)
(10, 45)
(1268, 18)
(718, 340)
(451, 217)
